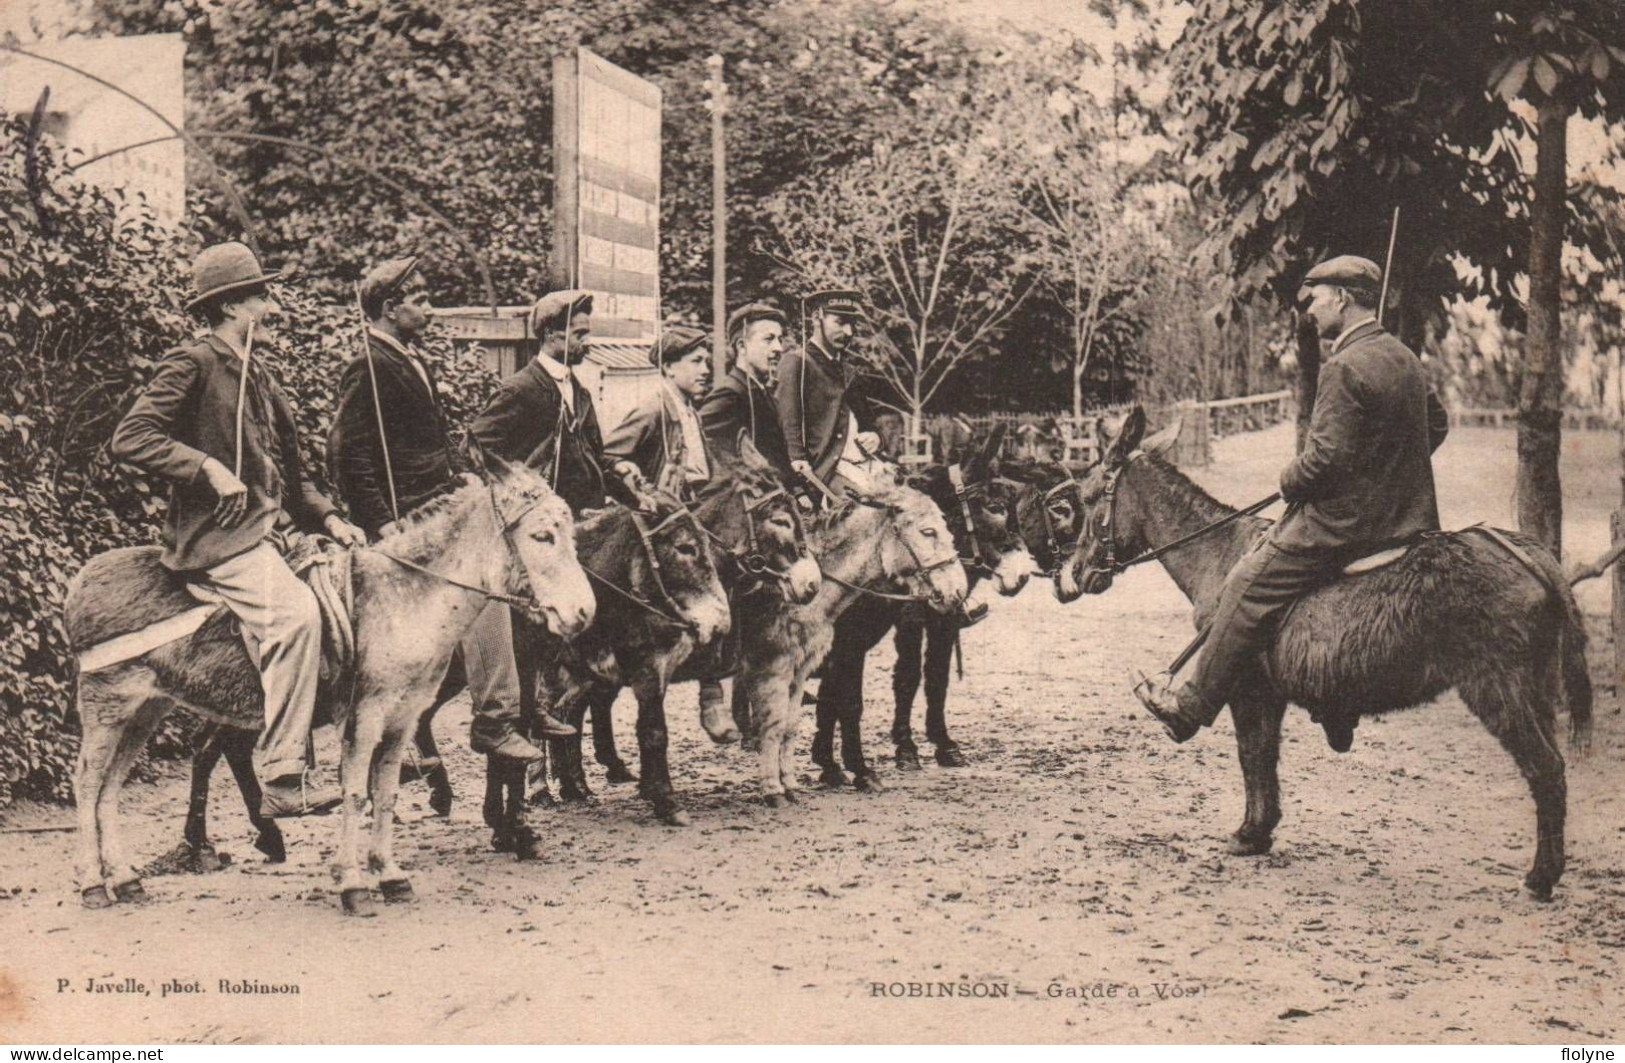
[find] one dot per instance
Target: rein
(1109, 522)
(920, 567)
(646, 535)
(527, 604)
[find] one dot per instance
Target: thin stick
(377, 407)
(242, 392)
(1388, 267)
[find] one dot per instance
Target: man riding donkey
(1363, 481)
(742, 405)
(214, 422)
(542, 417)
(390, 453)
(817, 405)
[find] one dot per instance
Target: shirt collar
(222, 347)
(390, 342)
(1337, 344)
(553, 368)
(675, 395)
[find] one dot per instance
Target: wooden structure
(617, 373)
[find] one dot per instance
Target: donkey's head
(674, 567)
(1048, 510)
(752, 518)
(980, 509)
(915, 548)
(539, 562)
(1113, 527)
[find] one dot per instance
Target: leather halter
(527, 601)
(748, 555)
(1108, 523)
(1043, 498)
(921, 568)
(672, 612)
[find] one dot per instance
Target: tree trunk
(1540, 396)
(1308, 341)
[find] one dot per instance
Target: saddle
(173, 611)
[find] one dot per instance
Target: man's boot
(289, 795)
(1182, 713)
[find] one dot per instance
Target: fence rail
(1499, 417)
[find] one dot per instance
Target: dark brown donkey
(1458, 611)
(765, 565)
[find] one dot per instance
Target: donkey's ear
(1127, 440)
(981, 466)
(1165, 440)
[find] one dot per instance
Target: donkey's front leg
(650, 691)
(355, 770)
(386, 779)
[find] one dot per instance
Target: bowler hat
(383, 281)
(674, 342)
(752, 312)
(836, 301)
(1346, 271)
(552, 309)
(225, 268)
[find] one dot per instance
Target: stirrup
(1144, 684)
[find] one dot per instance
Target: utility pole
(718, 104)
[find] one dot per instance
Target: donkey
(415, 595)
(897, 536)
(764, 560)
(1048, 514)
(659, 596)
(980, 515)
(1460, 610)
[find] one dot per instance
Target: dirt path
(1080, 850)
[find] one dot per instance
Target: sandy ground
(1081, 852)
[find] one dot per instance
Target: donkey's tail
(1571, 641)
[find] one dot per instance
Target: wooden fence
(1573, 420)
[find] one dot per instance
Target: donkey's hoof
(1241, 845)
(867, 782)
(750, 744)
(132, 892)
(206, 861)
(527, 846)
(357, 901)
(792, 797)
(440, 798)
(833, 778)
(775, 801)
(397, 891)
(542, 798)
(1538, 888)
(502, 841)
(674, 817)
(618, 773)
(271, 844)
(949, 755)
(908, 759)
(96, 897)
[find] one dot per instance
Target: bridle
(525, 602)
(748, 555)
(1108, 523)
(922, 567)
(667, 609)
(1030, 493)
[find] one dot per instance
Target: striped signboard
(606, 198)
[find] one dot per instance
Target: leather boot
(1182, 713)
(290, 796)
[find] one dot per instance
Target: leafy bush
(93, 297)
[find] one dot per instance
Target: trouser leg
(493, 677)
(282, 626)
(1256, 595)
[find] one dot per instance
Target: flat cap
(225, 268)
(552, 309)
(1346, 271)
(674, 342)
(836, 301)
(383, 281)
(753, 312)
